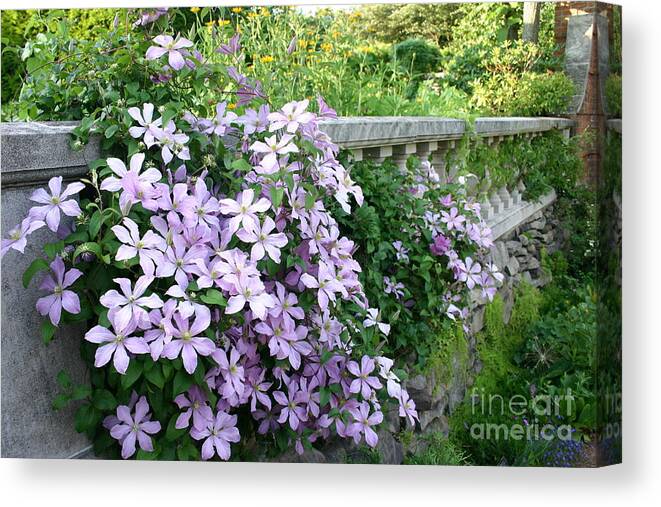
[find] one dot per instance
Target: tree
(531, 17)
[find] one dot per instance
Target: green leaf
(86, 418)
(182, 381)
(132, 374)
(47, 331)
(80, 392)
(64, 380)
(171, 433)
(61, 401)
(52, 249)
(324, 396)
(95, 224)
(214, 297)
(241, 164)
(155, 376)
(111, 131)
(104, 400)
(36, 266)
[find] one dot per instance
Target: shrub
(411, 228)
(441, 451)
(223, 306)
(614, 95)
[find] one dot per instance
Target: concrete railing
(31, 153)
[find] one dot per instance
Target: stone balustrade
(31, 153)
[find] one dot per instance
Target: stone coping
(366, 131)
(507, 220)
(35, 151)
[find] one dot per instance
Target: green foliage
(441, 451)
(20, 27)
(394, 23)
(517, 82)
(417, 56)
(614, 95)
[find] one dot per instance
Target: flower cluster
(234, 274)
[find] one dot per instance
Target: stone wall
(33, 153)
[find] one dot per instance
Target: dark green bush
(614, 96)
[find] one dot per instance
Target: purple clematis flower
(440, 245)
(363, 423)
(173, 48)
(291, 117)
(148, 126)
(453, 220)
(196, 404)
(135, 186)
(272, 147)
(231, 371)
(148, 248)
(264, 241)
(219, 433)
(60, 298)
(130, 305)
(58, 201)
(250, 290)
(232, 47)
(364, 383)
(181, 261)
(186, 341)
(116, 344)
(292, 403)
(254, 121)
(18, 235)
(244, 210)
(135, 428)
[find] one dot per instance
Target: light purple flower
(196, 405)
(272, 147)
(363, 423)
(292, 409)
(148, 125)
(58, 201)
(135, 186)
(471, 273)
(60, 298)
(130, 305)
(251, 291)
(291, 117)
(401, 252)
(407, 407)
(148, 248)
(453, 220)
(173, 48)
(231, 371)
(440, 245)
(186, 341)
(232, 47)
(18, 235)
(326, 284)
(365, 382)
(172, 143)
(254, 121)
(116, 344)
(264, 241)
(135, 428)
(243, 211)
(218, 434)
(372, 320)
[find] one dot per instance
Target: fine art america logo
(537, 417)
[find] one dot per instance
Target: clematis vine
(58, 283)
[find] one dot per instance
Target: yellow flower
(266, 59)
(209, 23)
(302, 43)
(195, 9)
(252, 14)
(223, 22)
(231, 106)
(264, 12)
(236, 10)
(326, 47)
